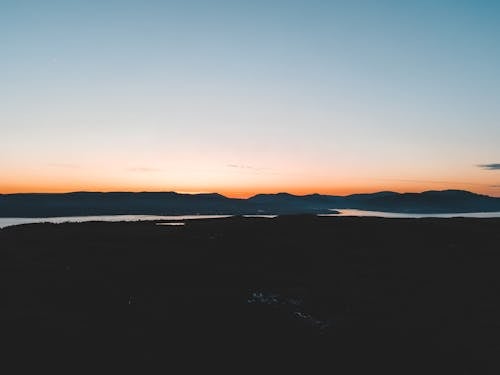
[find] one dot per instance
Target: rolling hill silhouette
(171, 203)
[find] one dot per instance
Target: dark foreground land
(348, 295)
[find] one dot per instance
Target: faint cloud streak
(250, 168)
(242, 166)
(64, 165)
(490, 167)
(144, 169)
(440, 182)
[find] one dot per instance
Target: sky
(244, 97)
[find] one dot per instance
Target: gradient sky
(241, 97)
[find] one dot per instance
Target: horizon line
(183, 192)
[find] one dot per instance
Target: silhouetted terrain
(352, 295)
(170, 203)
(426, 202)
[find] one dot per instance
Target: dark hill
(342, 295)
(171, 203)
(427, 202)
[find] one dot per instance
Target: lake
(345, 212)
(9, 221)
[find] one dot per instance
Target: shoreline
(12, 221)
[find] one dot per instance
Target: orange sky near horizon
(248, 191)
(296, 174)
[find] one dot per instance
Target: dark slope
(451, 201)
(122, 203)
(161, 203)
(336, 295)
(314, 203)
(426, 202)
(170, 203)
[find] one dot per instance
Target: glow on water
(177, 220)
(352, 212)
(9, 221)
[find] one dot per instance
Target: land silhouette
(341, 294)
(171, 203)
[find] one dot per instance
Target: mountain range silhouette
(172, 203)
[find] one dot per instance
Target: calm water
(178, 220)
(407, 215)
(8, 221)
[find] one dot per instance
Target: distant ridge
(171, 203)
(445, 201)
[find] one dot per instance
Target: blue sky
(240, 97)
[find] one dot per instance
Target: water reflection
(177, 220)
(9, 221)
(350, 212)
(262, 216)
